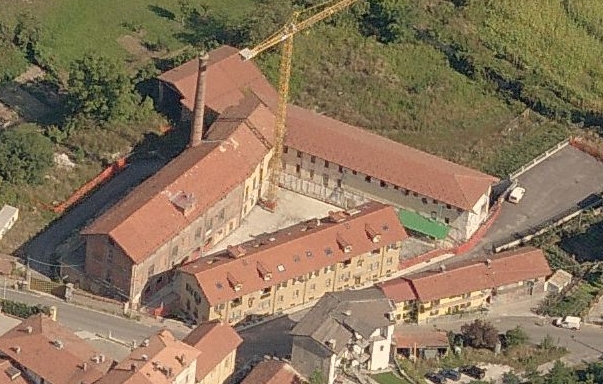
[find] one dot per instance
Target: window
(222, 214)
(415, 194)
(299, 154)
(383, 184)
(151, 270)
(359, 263)
(231, 226)
(396, 188)
(255, 183)
(406, 192)
(434, 215)
(175, 251)
(313, 159)
(424, 200)
(367, 179)
(325, 180)
(338, 183)
(266, 291)
(448, 206)
(110, 256)
(246, 191)
(376, 251)
(281, 298)
(198, 233)
(435, 312)
(389, 261)
(285, 149)
(328, 283)
(108, 276)
(354, 172)
(326, 164)
(312, 287)
(435, 201)
(381, 348)
(296, 294)
(236, 302)
(340, 169)
(347, 263)
(298, 169)
(311, 174)
(446, 220)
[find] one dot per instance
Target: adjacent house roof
(215, 340)
(560, 278)
(387, 160)
(228, 78)
(52, 352)
(158, 360)
(421, 339)
(273, 372)
(398, 290)
(147, 217)
(294, 251)
(338, 315)
(7, 213)
(473, 275)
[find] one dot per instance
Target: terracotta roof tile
(420, 339)
(293, 252)
(398, 290)
(463, 277)
(146, 218)
(273, 372)
(41, 345)
(387, 160)
(153, 362)
(227, 79)
(215, 340)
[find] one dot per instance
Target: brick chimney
(198, 112)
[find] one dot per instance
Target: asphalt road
(85, 319)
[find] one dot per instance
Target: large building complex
(202, 195)
(294, 266)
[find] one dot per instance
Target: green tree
(511, 378)
(560, 374)
(317, 378)
(25, 155)
(516, 336)
(27, 35)
(100, 90)
(480, 334)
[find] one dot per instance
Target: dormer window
(264, 272)
(372, 233)
(236, 284)
(184, 202)
(345, 245)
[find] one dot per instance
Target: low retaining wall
(539, 159)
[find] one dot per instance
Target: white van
(569, 322)
(516, 195)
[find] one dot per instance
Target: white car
(516, 195)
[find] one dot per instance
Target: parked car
(570, 322)
(473, 371)
(516, 195)
(451, 374)
(435, 378)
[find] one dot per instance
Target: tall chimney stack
(198, 112)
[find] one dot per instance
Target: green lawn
(389, 378)
(72, 28)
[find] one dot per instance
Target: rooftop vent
(264, 272)
(347, 312)
(29, 329)
(84, 366)
(272, 239)
(442, 268)
(280, 267)
(236, 251)
(331, 343)
(184, 202)
(145, 357)
(145, 342)
(96, 359)
(345, 245)
(133, 367)
(488, 263)
(17, 349)
(181, 359)
(372, 233)
(58, 344)
(337, 217)
(12, 372)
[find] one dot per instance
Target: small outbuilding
(559, 280)
(8, 217)
(421, 344)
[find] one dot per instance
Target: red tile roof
(146, 218)
(398, 290)
(164, 355)
(227, 79)
(469, 276)
(418, 339)
(387, 160)
(215, 340)
(355, 148)
(293, 252)
(42, 346)
(273, 372)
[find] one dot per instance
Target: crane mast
(285, 36)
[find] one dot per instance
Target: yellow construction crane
(285, 35)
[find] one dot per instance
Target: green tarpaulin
(421, 224)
